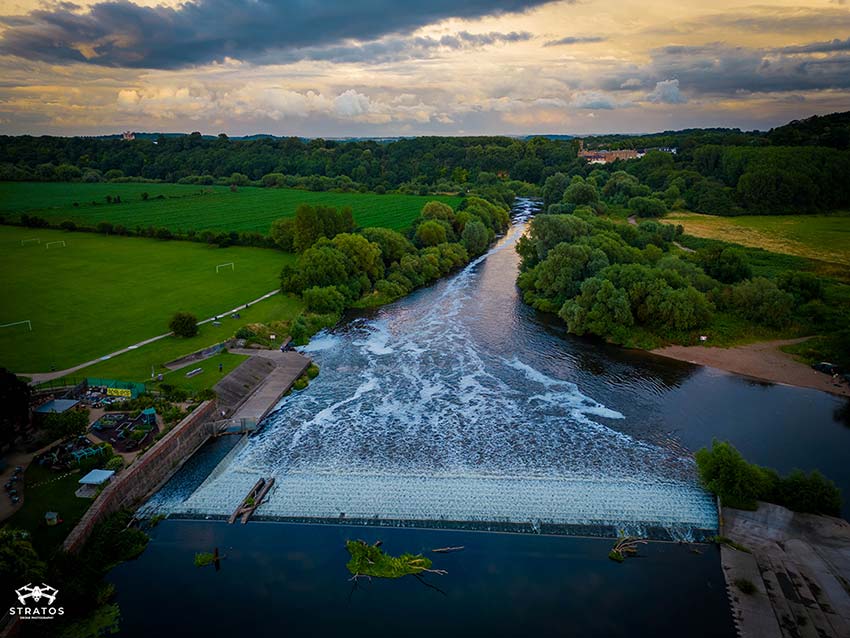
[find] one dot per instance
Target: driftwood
(446, 550)
(625, 546)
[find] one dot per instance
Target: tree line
(341, 267)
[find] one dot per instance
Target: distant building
(128, 136)
(604, 156)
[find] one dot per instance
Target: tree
(475, 237)
(393, 245)
(15, 397)
(430, 233)
(553, 189)
(600, 309)
(647, 206)
(184, 324)
(19, 562)
(580, 192)
(66, 424)
(761, 301)
(325, 300)
(726, 473)
(282, 233)
(438, 210)
(725, 264)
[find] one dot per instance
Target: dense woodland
(798, 168)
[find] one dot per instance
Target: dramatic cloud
(592, 100)
(667, 92)
(574, 40)
(123, 34)
(819, 47)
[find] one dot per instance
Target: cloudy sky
(389, 67)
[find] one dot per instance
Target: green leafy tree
(725, 264)
(761, 301)
(726, 473)
(475, 237)
(580, 192)
(66, 424)
(430, 233)
(600, 309)
(19, 562)
(282, 233)
(324, 300)
(393, 245)
(184, 324)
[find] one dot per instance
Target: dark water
(290, 580)
(463, 387)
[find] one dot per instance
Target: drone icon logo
(35, 593)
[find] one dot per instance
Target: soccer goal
(60, 243)
(24, 242)
(228, 264)
(18, 323)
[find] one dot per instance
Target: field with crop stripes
(183, 208)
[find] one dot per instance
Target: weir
(454, 408)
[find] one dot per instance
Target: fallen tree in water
(371, 560)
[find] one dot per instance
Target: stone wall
(147, 473)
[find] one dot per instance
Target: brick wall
(146, 474)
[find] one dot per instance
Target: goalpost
(26, 241)
(53, 243)
(18, 323)
(230, 263)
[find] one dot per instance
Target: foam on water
(428, 412)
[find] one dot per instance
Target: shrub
(301, 382)
(761, 301)
(312, 371)
(745, 586)
(803, 285)
(324, 300)
(115, 464)
(726, 473)
(647, 206)
(725, 264)
(184, 324)
(68, 225)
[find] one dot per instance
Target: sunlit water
(448, 407)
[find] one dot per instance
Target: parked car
(827, 368)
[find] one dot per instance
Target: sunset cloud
(329, 68)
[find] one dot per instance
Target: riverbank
(764, 361)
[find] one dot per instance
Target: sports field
(821, 237)
(97, 294)
(198, 208)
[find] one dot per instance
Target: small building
(56, 406)
(92, 481)
(149, 416)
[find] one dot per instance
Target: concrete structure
(800, 566)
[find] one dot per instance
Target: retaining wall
(146, 473)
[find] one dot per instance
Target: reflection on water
(290, 580)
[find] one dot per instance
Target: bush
(725, 264)
(324, 300)
(245, 333)
(745, 586)
(301, 382)
(761, 301)
(740, 484)
(803, 285)
(312, 371)
(116, 463)
(647, 206)
(184, 324)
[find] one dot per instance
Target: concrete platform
(800, 565)
(288, 366)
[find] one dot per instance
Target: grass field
(99, 294)
(821, 237)
(198, 208)
(137, 365)
(45, 491)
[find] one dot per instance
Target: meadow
(821, 237)
(183, 208)
(97, 294)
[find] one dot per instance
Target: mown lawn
(198, 208)
(45, 491)
(140, 364)
(98, 293)
(821, 237)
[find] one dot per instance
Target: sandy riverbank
(763, 361)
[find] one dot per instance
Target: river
(460, 407)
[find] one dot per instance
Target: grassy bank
(198, 208)
(97, 294)
(819, 237)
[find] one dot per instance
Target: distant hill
(820, 130)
